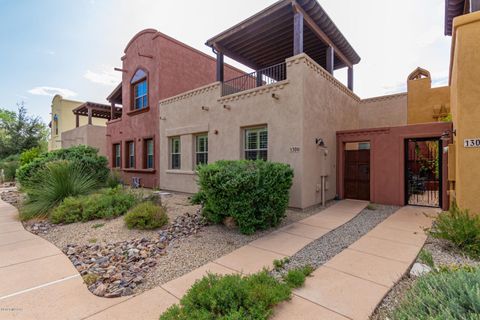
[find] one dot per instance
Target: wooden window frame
(133, 85)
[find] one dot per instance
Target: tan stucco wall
(310, 104)
(465, 105)
(66, 120)
(90, 135)
(385, 111)
(426, 104)
(184, 117)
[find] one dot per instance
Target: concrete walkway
(39, 282)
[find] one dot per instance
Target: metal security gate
(423, 172)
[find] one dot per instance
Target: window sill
(139, 170)
(185, 172)
(138, 111)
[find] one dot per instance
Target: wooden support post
(297, 33)
(89, 115)
(112, 111)
(330, 59)
(220, 67)
(350, 78)
(77, 121)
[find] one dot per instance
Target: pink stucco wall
(387, 160)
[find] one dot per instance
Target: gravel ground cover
(443, 253)
(326, 247)
(115, 261)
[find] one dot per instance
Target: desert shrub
(230, 297)
(280, 263)
(57, 181)
(426, 257)
(107, 204)
(461, 228)
(198, 198)
(84, 156)
(29, 155)
(146, 215)
(114, 179)
(443, 295)
(296, 277)
(254, 193)
(9, 165)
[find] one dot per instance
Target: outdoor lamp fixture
(446, 135)
(275, 96)
(163, 118)
(205, 108)
(227, 107)
(319, 142)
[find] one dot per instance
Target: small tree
(20, 132)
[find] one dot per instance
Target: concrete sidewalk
(39, 282)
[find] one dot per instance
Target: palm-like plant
(59, 180)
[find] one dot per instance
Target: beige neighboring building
(68, 127)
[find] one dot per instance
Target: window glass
(175, 155)
(131, 154)
(118, 156)
(256, 144)
(201, 149)
(149, 153)
(140, 95)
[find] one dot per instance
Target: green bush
(84, 156)
(254, 193)
(29, 155)
(442, 295)
(9, 165)
(57, 181)
(230, 297)
(426, 257)
(114, 179)
(104, 205)
(146, 215)
(296, 277)
(461, 228)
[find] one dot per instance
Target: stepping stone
(299, 308)
(249, 259)
(386, 249)
(281, 242)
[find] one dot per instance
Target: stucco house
(68, 127)
(396, 149)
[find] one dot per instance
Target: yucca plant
(59, 180)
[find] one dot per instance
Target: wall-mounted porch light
(204, 108)
(447, 135)
(319, 142)
(227, 107)
(275, 96)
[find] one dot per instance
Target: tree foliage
(20, 131)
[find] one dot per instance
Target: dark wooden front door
(357, 174)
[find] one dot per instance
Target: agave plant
(59, 180)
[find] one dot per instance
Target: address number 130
(471, 143)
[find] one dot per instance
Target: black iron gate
(423, 172)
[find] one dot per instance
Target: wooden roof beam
(318, 32)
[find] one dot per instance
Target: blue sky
(71, 47)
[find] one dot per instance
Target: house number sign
(294, 149)
(471, 143)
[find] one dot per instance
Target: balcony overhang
(285, 29)
(96, 110)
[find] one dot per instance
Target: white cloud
(52, 91)
(107, 76)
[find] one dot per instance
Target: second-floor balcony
(287, 28)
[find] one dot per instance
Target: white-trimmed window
(149, 151)
(201, 149)
(175, 153)
(117, 155)
(256, 143)
(131, 154)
